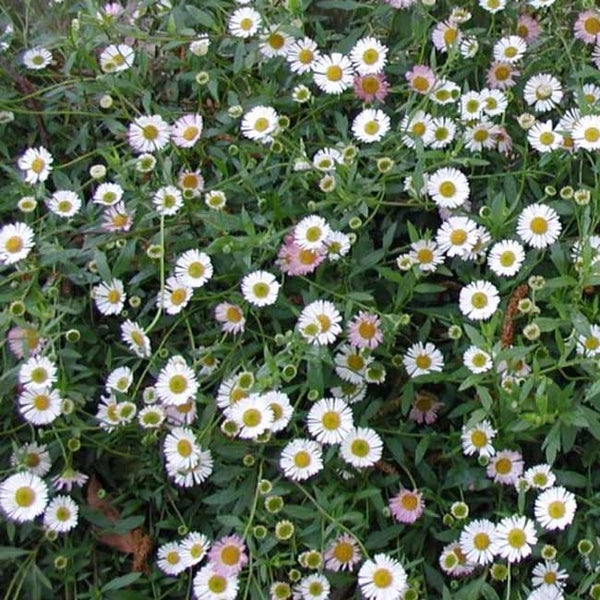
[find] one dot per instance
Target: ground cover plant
(299, 299)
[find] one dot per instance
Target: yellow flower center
(458, 237)
(557, 509)
(479, 300)
(184, 448)
(450, 35)
(302, 459)
(217, 584)
(547, 138)
(370, 56)
(25, 496)
(276, 41)
(190, 133)
(305, 56)
(246, 24)
(233, 314)
(423, 361)
(343, 552)
(481, 541)
(481, 135)
(538, 225)
(424, 255)
(150, 132)
(172, 557)
(371, 127)
(479, 439)
(420, 83)
(502, 73)
(592, 134)
(592, 25)
(63, 513)
(479, 360)
(448, 189)
(370, 84)
(38, 164)
(334, 73)
(367, 330)
(419, 129)
(503, 466)
(260, 289)
(510, 52)
(252, 417)
(409, 502)
(178, 296)
(516, 538)
(324, 322)
(360, 448)
(230, 555)
(382, 578)
(113, 296)
(14, 244)
(314, 233)
(178, 384)
(39, 375)
(331, 420)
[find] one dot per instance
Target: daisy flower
(69, 479)
(350, 364)
(117, 218)
(555, 508)
(457, 236)
(546, 593)
(417, 127)
(61, 514)
(421, 79)
(538, 225)
(368, 56)
(151, 417)
(540, 477)
(23, 497)
(448, 187)
(244, 22)
(33, 458)
(40, 406)
(445, 35)
(453, 562)
(16, 242)
(382, 578)
(181, 449)
(424, 408)
(302, 55)
(505, 258)
(422, 359)
(175, 297)
(479, 300)
(501, 75)
(135, 338)
(311, 232)
(301, 459)
(119, 380)
(25, 341)
(193, 268)
(228, 555)
(186, 131)
(505, 467)
(116, 58)
(108, 194)
(148, 133)
(191, 183)
(586, 133)
(170, 559)
(329, 420)
(342, 554)
(231, 317)
(444, 130)
(167, 200)
(275, 42)
(361, 448)
(314, 587)
(260, 288)
(370, 125)
(471, 105)
(37, 373)
(549, 576)
(64, 203)
(494, 102)
(476, 360)
(589, 345)
(176, 382)
(260, 123)
(510, 49)
(476, 541)
(253, 415)
(528, 28)
(371, 88)
(587, 27)
(426, 255)
(37, 164)
(543, 92)
(37, 58)
(543, 137)
(200, 46)
(192, 476)
(480, 136)
(282, 410)
(513, 538)
(333, 73)
(478, 439)
(492, 6)
(194, 547)
(210, 585)
(319, 322)
(407, 506)
(364, 331)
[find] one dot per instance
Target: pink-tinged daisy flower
(421, 79)
(528, 28)
(407, 506)
(228, 555)
(231, 317)
(445, 35)
(400, 3)
(364, 331)
(342, 554)
(294, 260)
(425, 408)
(500, 75)
(505, 467)
(587, 26)
(24, 341)
(68, 479)
(117, 218)
(371, 87)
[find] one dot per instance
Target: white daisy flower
(586, 133)
(186, 131)
(549, 576)
(244, 22)
(181, 449)
(33, 458)
(109, 297)
(260, 123)
(479, 300)
(314, 587)
(494, 102)
(421, 359)
(64, 203)
(543, 137)
(192, 476)
(333, 73)
(175, 297)
(510, 49)
(275, 42)
(148, 133)
(119, 380)
(505, 258)
(260, 288)
(200, 46)
(351, 364)
(194, 547)
(193, 268)
(40, 406)
(329, 420)
(210, 585)
(546, 593)
(170, 559)
(151, 417)
(370, 125)
(282, 409)
(176, 382)
(492, 6)
(135, 338)
(23, 497)
(476, 542)
(253, 414)
(325, 160)
(37, 58)
(478, 439)
(555, 508)
(361, 448)
(37, 164)
(543, 92)
(108, 194)
(445, 92)
(513, 538)
(167, 200)
(477, 360)
(337, 245)
(61, 515)
(481, 136)
(301, 459)
(448, 187)
(505, 467)
(319, 322)
(312, 232)
(540, 477)
(539, 225)
(231, 317)
(589, 345)
(457, 236)
(426, 255)
(16, 242)
(444, 130)
(417, 127)
(37, 373)
(471, 106)
(368, 55)
(382, 578)
(116, 58)
(302, 55)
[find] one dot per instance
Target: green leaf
(121, 582)
(7, 552)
